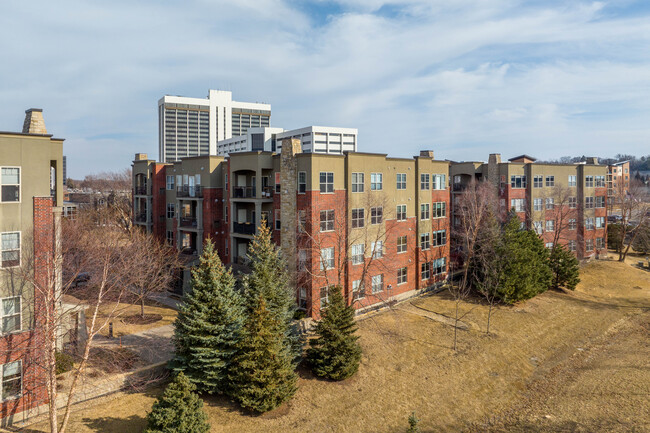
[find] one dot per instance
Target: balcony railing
(188, 222)
(267, 192)
(243, 192)
(244, 228)
(189, 191)
(459, 187)
(140, 190)
(141, 217)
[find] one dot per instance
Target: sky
(464, 77)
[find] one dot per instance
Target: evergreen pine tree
(262, 373)
(565, 268)
(178, 410)
(208, 324)
(335, 353)
(525, 270)
(413, 424)
(269, 279)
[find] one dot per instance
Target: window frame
(327, 186)
(358, 222)
(19, 185)
(400, 181)
(377, 249)
(400, 213)
(2, 381)
(402, 247)
(376, 181)
(376, 215)
(327, 222)
(573, 180)
(518, 181)
(439, 209)
(356, 184)
(380, 283)
(439, 238)
(171, 207)
(19, 313)
(538, 181)
(425, 271)
(302, 185)
(402, 275)
(424, 182)
(425, 210)
(20, 250)
(425, 241)
(439, 182)
(168, 183)
(356, 257)
(327, 256)
(550, 180)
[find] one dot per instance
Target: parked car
(82, 277)
(614, 218)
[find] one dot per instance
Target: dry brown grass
(408, 366)
(121, 327)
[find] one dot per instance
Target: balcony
(243, 192)
(141, 217)
(140, 190)
(457, 187)
(244, 228)
(188, 222)
(189, 191)
(267, 192)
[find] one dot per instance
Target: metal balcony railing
(189, 191)
(141, 190)
(267, 192)
(244, 228)
(189, 222)
(243, 192)
(141, 217)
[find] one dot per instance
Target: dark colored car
(83, 277)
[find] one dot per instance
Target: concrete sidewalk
(153, 345)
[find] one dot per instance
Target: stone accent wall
(493, 168)
(288, 211)
(34, 123)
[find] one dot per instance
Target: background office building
(317, 139)
(193, 126)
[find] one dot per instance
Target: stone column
(288, 207)
(493, 168)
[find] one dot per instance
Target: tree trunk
(142, 306)
(51, 383)
(489, 316)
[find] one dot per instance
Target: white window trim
(22, 379)
(20, 250)
(20, 184)
(20, 313)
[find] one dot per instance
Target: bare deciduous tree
(635, 208)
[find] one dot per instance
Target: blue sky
(465, 78)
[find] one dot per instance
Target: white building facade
(193, 126)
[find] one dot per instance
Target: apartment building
(377, 226)
(31, 178)
(193, 126)
(320, 139)
(618, 180)
(563, 203)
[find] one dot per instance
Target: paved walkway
(153, 345)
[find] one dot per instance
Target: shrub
(64, 362)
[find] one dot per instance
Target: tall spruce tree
(269, 279)
(208, 324)
(525, 270)
(178, 410)
(262, 373)
(335, 352)
(565, 268)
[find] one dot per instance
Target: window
(358, 218)
(425, 241)
(572, 224)
(549, 245)
(302, 298)
(439, 209)
(302, 221)
(600, 222)
(376, 215)
(424, 211)
(357, 182)
(324, 296)
(171, 210)
(302, 182)
(537, 226)
(589, 202)
(277, 182)
(550, 225)
(326, 258)
(402, 276)
(589, 181)
(600, 181)
(377, 250)
(10, 249)
(550, 203)
(401, 212)
(573, 202)
(357, 254)
(326, 182)
(572, 180)
(425, 271)
(537, 204)
(302, 260)
(170, 237)
(401, 244)
(439, 266)
(439, 238)
(600, 243)
(572, 245)
(589, 245)
(538, 181)
(424, 181)
(12, 380)
(377, 283)
(550, 180)
(600, 201)
(170, 183)
(519, 204)
(327, 220)
(278, 219)
(11, 315)
(376, 181)
(358, 292)
(401, 180)
(439, 181)
(589, 223)
(10, 180)
(518, 181)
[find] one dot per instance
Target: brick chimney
(34, 123)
